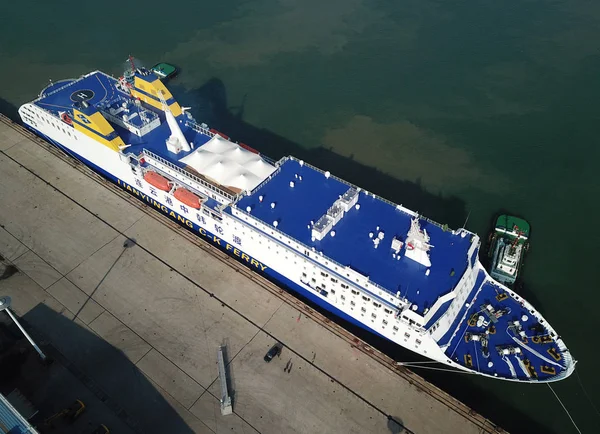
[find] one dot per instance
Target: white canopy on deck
(229, 164)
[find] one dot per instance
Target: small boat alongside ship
(508, 243)
(164, 70)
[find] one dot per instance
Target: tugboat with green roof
(508, 243)
(164, 70)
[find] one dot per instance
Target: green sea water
(472, 107)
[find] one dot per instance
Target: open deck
(519, 345)
(310, 198)
(101, 93)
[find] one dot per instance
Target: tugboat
(164, 70)
(508, 243)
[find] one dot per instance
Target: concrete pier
(95, 262)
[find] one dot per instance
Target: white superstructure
(298, 224)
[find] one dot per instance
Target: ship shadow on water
(209, 104)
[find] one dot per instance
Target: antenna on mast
(130, 59)
(467, 219)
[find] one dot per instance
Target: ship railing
(266, 180)
(395, 205)
(368, 283)
(277, 164)
(199, 128)
(49, 112)
(188, 186)
(70, 82)
(187, 174)
(204, 130)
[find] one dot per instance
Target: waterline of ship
(374, 263)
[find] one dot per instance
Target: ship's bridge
(131, 115)
(362, 231)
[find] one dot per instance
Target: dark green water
(486, 105)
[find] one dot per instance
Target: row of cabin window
(58, 127)
(354, 292)
(307, 253)
(363, 309)
(364, 297)
(334, 280)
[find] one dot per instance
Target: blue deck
(351, 246)
(154, 141)
(102, 86)
(106, 95)
(502, 337)
(310, 198)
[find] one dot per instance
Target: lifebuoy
(66, 119)
(409, 246)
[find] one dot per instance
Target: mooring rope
(564, 408)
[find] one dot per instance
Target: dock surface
(139, 306)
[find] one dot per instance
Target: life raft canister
(157, 180)
(219, 133)
(66, 118)
(187, 197)
(248, 148)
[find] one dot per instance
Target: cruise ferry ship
(371, 262)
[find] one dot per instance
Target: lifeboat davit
(157, 181)
(187, 197)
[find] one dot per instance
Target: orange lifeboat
(157, 180)
(187, 197)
